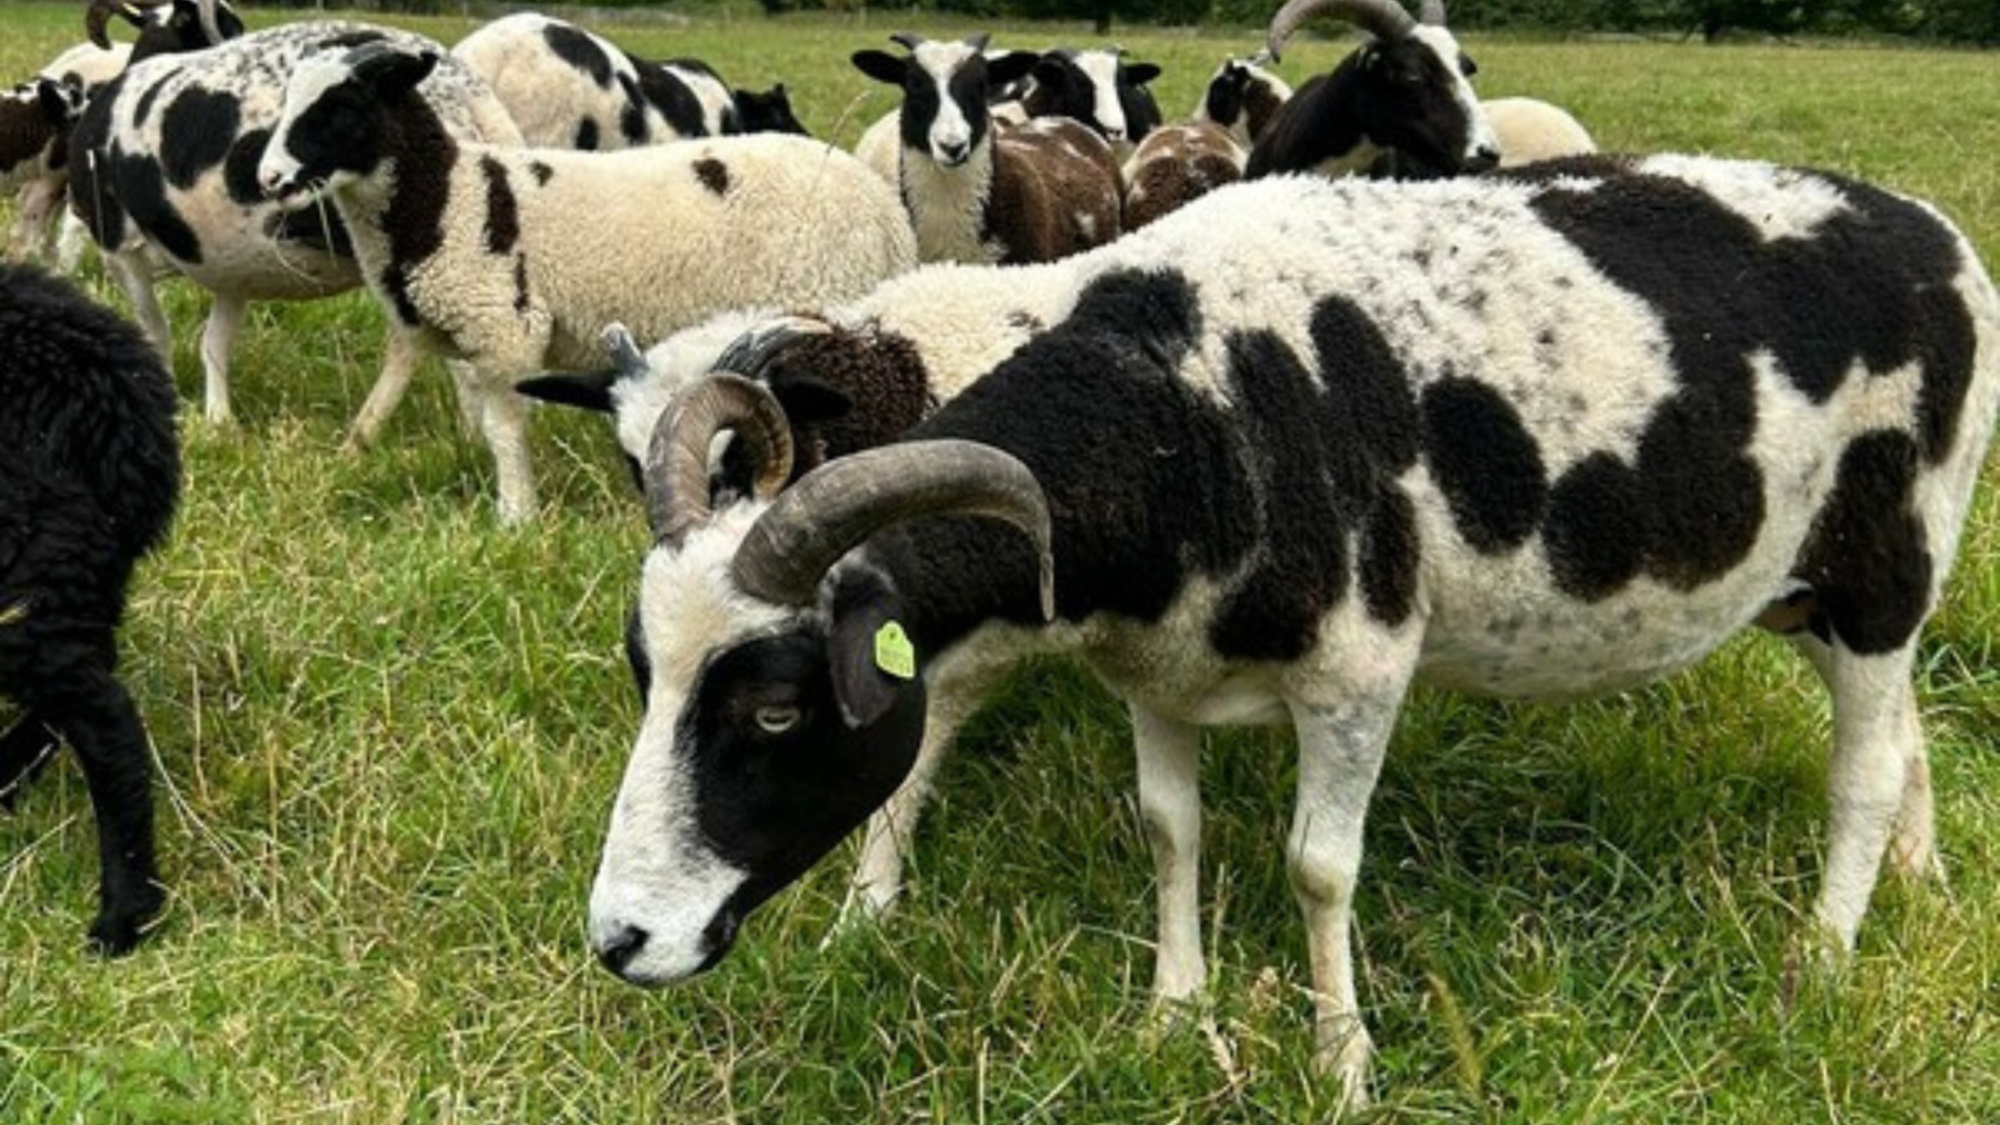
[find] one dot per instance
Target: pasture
(389, 730)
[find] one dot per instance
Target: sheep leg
(1340, 755)
(73, 240)
(218, 336)
(465, 387)
(25, 749)
(33, 208)
(98, 720)
(135, 277)
(1169, 754)
(1878, 783)
(402, 350)
(504, 420)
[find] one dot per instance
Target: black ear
(1048, 71)
(590, 390)
(394, 73)
(871, 660)
(1141, 73)
(808, 399)
(53, 100)
(1011, 67)
(881, 66)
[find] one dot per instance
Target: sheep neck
(396, 213)
(948, 205)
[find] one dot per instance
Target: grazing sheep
(1407, 90)
(89, 473)
(570, 88)
(1291, 449)
(35, 122)
(1032, 193)
(164, 161)
(481, 249)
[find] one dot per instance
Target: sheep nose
(1114, 134)
(272, 181)
(954, 152)
(618, 952)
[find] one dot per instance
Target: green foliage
(389, 732)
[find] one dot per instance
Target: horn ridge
(1386, 19)
(676, 469)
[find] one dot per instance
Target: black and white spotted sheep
(568, 87)
(487, 253)
(1407, 91)
(1030, 193)
(89, 475)
(165, 158)
(1289, 450)
(1177, 164)
(36, 117)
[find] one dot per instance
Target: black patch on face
(1143, 474)
(239, 168)
(196, 133)
(343, 130)
(580, 50)
(542, 172)
(1326, 461)
(773, 804)
(586, 135)
(1485, 462)
(1880, 274)
(503, 213)
(713, 174)
(1868, 561)
(1409, 103)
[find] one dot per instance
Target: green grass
(389, 730)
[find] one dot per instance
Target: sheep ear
(53, 100)
(868, 655)
(394, 73)
(1012, 67)
(881, 66)
(808, 399)
(1141, 73)
(588, 390)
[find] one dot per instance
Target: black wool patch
(1142, 473)
(581, 51)
(196, 133)
(239, 168)
(1486, 463)
(144, 109)
(521, 284)
(713, 174)
(1868, 561)
(670, 96)
(542, 172)
(632, 117)
(586, 136)
(503, 212)
(140, 187)
(424, 155)
(350, 39)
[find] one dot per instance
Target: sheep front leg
(503, 418)
(1340, 755)
(218, 337)
(98, 720)
(135, 276)
(402, 350)
(1169, 755)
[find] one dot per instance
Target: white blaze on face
(951, 131)
(310, 80)
(658, 877)
(1101, 67)
(1479, 136)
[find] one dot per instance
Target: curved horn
(676, 473)
(1431, 13)
(978, 42)
(1387, 19)
(750, 353)
(907, 39)
(624, 352)
(211, 24)
(98, 17)
(835, 507)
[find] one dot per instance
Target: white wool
(1530, 129)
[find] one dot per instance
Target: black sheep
(89, 473)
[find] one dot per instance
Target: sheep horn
(834, 508)
(907, 39)
(1430, 13)
(750, 353)
(676, 473)
(624, 352)
(1387, 19)
(978, 42)
(98, 17)
(211, 24)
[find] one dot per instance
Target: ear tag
(894, 653)
(19, 612)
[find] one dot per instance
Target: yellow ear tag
(894, 653)
(16, 612)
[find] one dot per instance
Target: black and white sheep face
(945, 87)
(756, 756)
(32, 116)
(1422, 102)
(1099, 89)
(329, 131)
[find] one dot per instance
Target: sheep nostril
(617, 953)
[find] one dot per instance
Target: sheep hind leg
(1340, 756)
(1169, 754)
(1878, 783)
(504, 420)
(402, 350)
(97, 718)
(135, 276)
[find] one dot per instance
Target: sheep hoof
(121, 926)
(1343, 1053)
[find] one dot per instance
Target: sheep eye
(775, 720)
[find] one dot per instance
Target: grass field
(389, 730)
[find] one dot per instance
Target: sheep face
(329, 131)
(768, 736)
(32, 116)
(1099, 89)
(1418, 99)
(945, 88)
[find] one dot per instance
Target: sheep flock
(1340, 379)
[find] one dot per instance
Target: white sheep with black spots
(1290, 450)
(479, 248)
